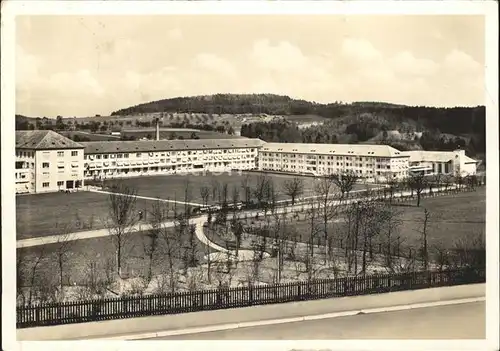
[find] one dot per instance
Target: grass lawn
(172, 186)
(48, 214)
(452, 217)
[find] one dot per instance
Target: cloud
(280, 57)
(352, 70)
(406, 64)
(460, 62)
(214, 63)
(175, 34)
(360, 50)
(27, 67)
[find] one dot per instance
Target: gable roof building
(334, 149)
(44, 140)
(107, 147)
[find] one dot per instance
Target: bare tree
(324, 189)
(21, 276)
(469, 252)
(171, 239)
(313, 215)
(459, 180)
(237, 229)
(391, 222)
(392, 186)
(40, 253)
(417, 183)
(424, 231)
(438, 178)
(157, 216)
(261, 190)
(442, 256)
(247, 189)
(370, 224)
(215, 186)
(447, 180)
(121, 218)
(294, 188)
(205, 194)
(345, 182)
(207, 251)
(62, 252)
(471, 181)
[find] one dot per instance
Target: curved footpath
(198, 221)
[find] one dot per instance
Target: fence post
(250, 295)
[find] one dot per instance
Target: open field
(49, 214)
(305, 118)
(452, 217)
(91, 136)
(166, 133)
(172, 186)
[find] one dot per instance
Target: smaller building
(47, 161)
(442, 162)
(379, 163)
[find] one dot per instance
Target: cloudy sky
(87, 65)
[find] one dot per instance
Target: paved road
(464, 321)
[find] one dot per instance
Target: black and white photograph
(265, 175)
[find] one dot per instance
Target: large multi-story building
(441, 162)
(371, 162)
(47, 161)
(118, 159)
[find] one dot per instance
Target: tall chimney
(157, 128)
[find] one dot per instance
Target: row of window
(331, 170)
(59, 166)
(25, 153)
(163, 154)
(323, 157)
(61, 153)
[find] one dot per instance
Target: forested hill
(457, 120)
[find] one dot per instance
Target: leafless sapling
(247, 189)
(121, 218)
(345, 182)
(417, 183)
(325, 189)
(205, 194)
(293, 188)
(62, 252)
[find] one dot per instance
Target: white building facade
(124, 159)
(370, 162)
(452, 163)
(47, 162)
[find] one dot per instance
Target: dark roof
(43, 140)
(104, 147)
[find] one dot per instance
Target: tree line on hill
(443, 128)
(456, 120)
(364, 120)
(356, 132)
